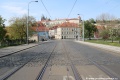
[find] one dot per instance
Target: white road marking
(66, 77)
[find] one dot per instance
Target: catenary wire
(45, 8)
(72, 8)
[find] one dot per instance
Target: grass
(1, 47)
(9, 45)
(108, 42)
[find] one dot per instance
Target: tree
(105, 34)
(45, 18)
(106, 19)
(118, 34)
(113, 33)
(18, 27)
(89, 28)
(110, 22)
(2, 30)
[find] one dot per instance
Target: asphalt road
(68, 59)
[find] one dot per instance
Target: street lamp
(28, 21)
(83, 32)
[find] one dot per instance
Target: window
(67, 32)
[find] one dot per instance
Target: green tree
(118, 34)
(2, 30)
(113, 33)
(18, 27)
(89, 28)
(105, 34)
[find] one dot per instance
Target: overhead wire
(46, 8)
(113, 8)
(72, 8)
(104, 4)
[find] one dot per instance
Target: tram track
(40, 75)
(59, 53)
(111, 75)
(75, 72)
(21, 66)
(68, 66)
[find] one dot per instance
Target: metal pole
(83, 32)
(78, 28)
(28, 23)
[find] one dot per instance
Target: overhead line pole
(28, 23)
(83, 28)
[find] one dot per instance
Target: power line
(72, 8)
(46, 8)
(107, 2)
(113, 8)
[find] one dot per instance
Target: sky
(59, 9)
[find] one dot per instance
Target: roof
(54, 27)
(68, 24)
(40, 28)
(59, 20)
(40, 24)
(64, 25)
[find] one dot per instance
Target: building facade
(55, 22)
(41, 32)
(66, 30)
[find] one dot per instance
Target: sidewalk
(14, 49)
(102, 46)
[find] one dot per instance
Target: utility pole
(28, 22)
(78, 28)
(83, 28)
(83, 31)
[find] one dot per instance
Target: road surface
(64, 60)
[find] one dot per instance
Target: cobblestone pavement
(14, 49)
(84, 58)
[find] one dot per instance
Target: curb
(101, 46)
(19, 51)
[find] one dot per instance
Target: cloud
(15, 9)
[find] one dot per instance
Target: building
(58, 29)
(66, 30)
(52, 31)
(41, 32)
(51, 23)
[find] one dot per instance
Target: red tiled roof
(59, 19)
(54, 27)
(40, 24)
(65, 24)
(40, 29)
(68, 24)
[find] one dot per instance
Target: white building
(60, 21)
(66, 30)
